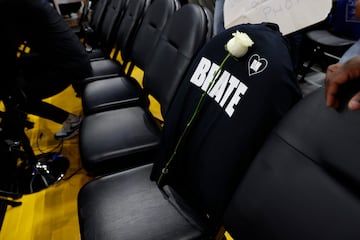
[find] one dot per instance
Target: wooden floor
(50, 214)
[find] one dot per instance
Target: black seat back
(250, 97)
(112, 18)
(184, 35)
(304, 183)
(129, 26)
(151, 28)
(98, 14)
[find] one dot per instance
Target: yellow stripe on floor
(50, 214)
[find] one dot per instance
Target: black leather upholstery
(112, 93)
(105, 34)
(150, 30)
(182, 42)
(155, 219)
(124, 90)
(117, 139)
(97, 17)
(304, 183)
(119, 134)
(215, 154)
(124, 36)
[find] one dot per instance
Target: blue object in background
(343, 21)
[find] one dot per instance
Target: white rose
(239, 44)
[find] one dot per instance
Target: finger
(354, 103)
(330, 74)
(332, 68)
(331, 89)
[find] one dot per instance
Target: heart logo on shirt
(256, 64)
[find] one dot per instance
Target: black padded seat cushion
(304, 183)
(327, 38)
(128, 206)
(95, 53)
(104, 68)
(119, 140)
(110, 94)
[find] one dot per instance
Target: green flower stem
(194, 115)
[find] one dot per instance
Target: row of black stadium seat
(251, 163)
(166, 51)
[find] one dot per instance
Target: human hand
(338, 74)
(332, 82)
